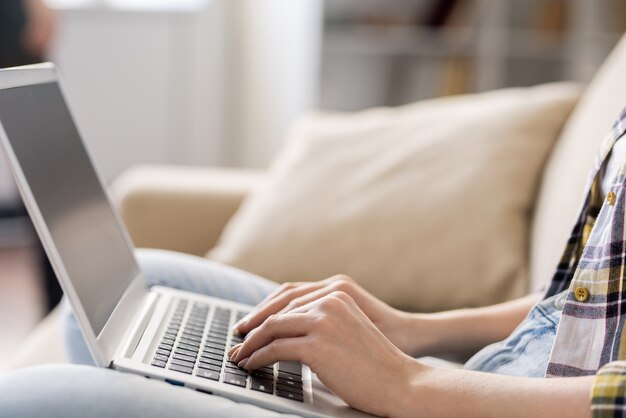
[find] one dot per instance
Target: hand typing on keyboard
(332, 335)
(391, 322)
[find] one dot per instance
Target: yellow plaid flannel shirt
(590, 336)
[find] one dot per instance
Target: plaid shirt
(589, 339)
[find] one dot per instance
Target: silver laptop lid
(82, 234)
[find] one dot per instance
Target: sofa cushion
(566, 171)
(426, 205)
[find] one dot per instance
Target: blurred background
(219, 82)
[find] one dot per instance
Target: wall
(273, 74)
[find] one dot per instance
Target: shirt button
(610, 198)
(581, 294)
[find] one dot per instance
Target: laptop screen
(72, 200)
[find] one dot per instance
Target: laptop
(161, 333)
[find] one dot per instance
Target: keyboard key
(290, 395)
(216, 340)
(209, 350)
(216, 327)
(290, 367)
(269, 369)
(189, 347)
(261, 385)
(289, 376)
(182, 369)
(189, 341)
(289, 383)
(216, 346)
(184, 357)
(210, 356)
(158, 363)
(183, 363)
(163, 352)
(188, 337)
(211, 361)
(238, 372)
(166, 346)
(234, 379)
(160, 357)
(208, 374)
(262, 375)
(195, 328)
(297, 390)
(186, 352)
(210, 366)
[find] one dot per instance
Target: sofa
(186, 208)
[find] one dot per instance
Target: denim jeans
(527, 350)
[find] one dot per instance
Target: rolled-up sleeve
(608, 392)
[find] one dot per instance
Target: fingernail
(242, 363)
(234, 350)
(241, 322)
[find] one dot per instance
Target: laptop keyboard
(191, 346)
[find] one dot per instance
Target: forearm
(435, 392)
(464, 331)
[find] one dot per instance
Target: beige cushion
(425, 205)
(567, 169)
(180, 208)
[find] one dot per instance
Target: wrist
(406, 397)
(420, 334)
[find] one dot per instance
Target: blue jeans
(78, 391)
(527, 350)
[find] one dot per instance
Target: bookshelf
(391, 52)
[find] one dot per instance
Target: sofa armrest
(180, 208)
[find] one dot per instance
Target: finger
(276, 327)
(306, 299)
(284, 349)
(280, 289)
(287, 287)
(261, 313)
(233, 350)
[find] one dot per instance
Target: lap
(70, 391)
(200, 275)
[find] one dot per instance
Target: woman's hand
(392, 323)
(342, 346)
